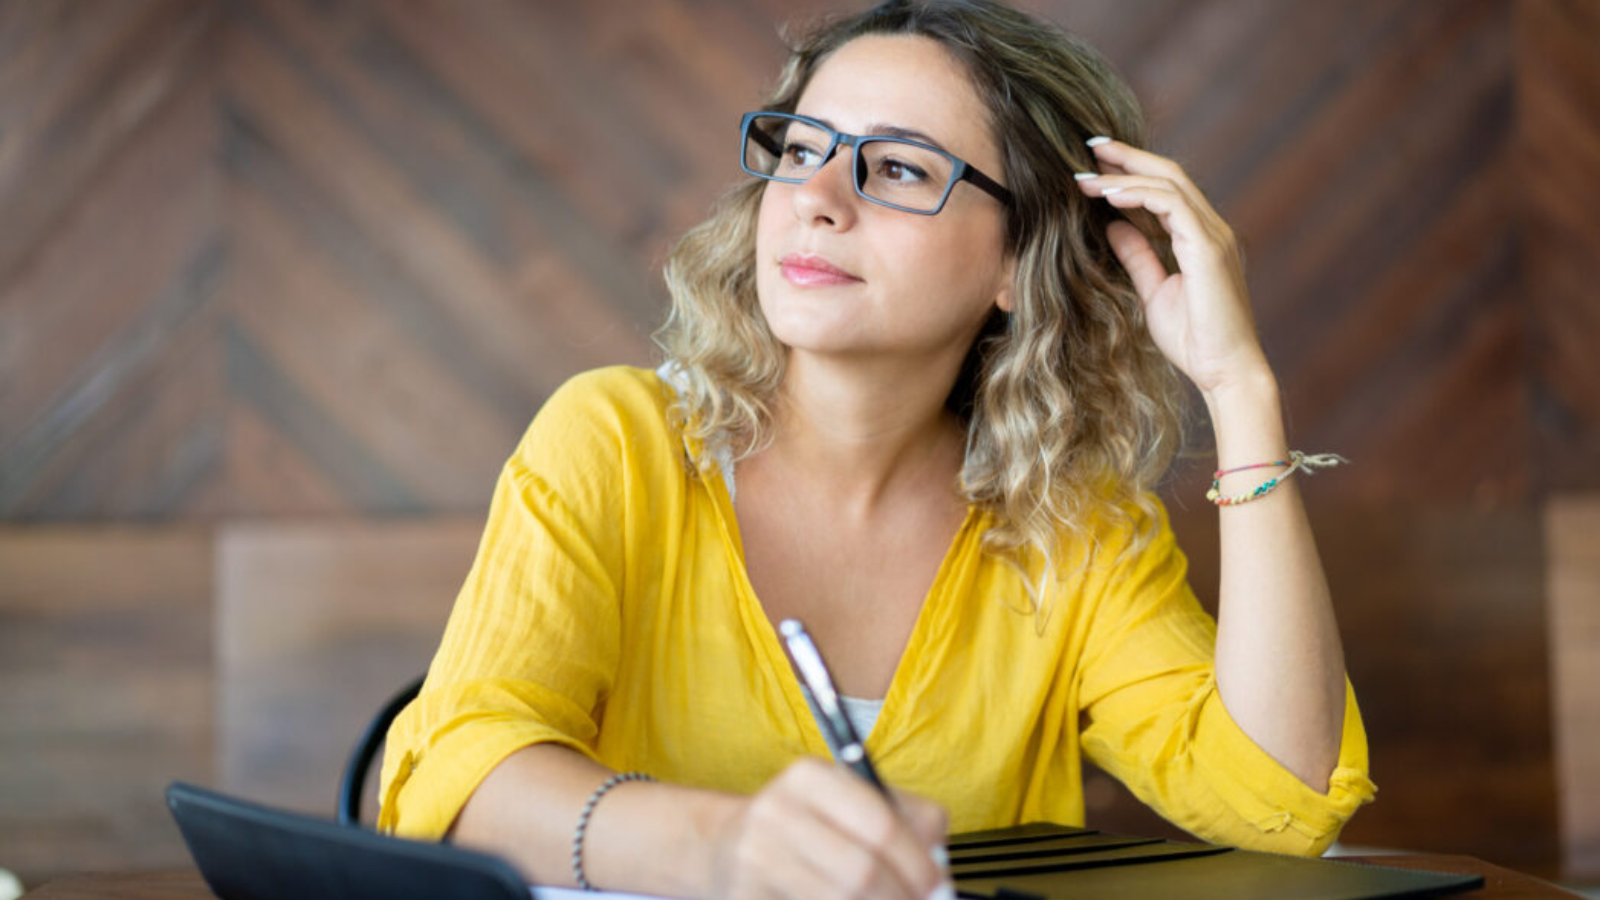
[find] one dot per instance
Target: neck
(866, 428)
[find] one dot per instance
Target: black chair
(355, 768)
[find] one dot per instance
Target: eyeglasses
(895, 172)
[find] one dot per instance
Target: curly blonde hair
(1071, 411)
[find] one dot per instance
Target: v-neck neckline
(769, 646)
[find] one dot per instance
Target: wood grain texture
(1573, 567)
(395, 227)
(1558, 151)
(105, 693)
(1445, 641)
(318, 623)
(111, 400)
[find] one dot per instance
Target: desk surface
(187, 884)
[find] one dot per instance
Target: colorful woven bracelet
(1221, 472)
(1297, 462)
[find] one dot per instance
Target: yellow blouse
(608, 611)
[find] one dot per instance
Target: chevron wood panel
(1359, 150)
(1558, 179)
(401, 224)
(110, 252)
(452, 280)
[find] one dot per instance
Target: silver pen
(840, 736)
(843, 742)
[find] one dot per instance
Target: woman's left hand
(1200, 315)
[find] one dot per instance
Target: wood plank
(105, 692)
(305, 605)
(1572, 533)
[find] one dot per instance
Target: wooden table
(187, 884)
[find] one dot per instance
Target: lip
(807, 270)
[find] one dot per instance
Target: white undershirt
(863, 714)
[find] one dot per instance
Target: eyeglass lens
(895, 172)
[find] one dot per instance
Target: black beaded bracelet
(583, 822)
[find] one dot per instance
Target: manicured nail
(946, 891)
(1109, 191)
(941, 856)
(1085, 176)
(1097, 140)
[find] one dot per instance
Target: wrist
(1253, 390)
(716, 824)
(1247, 420)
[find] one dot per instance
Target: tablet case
(251, 852)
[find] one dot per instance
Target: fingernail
(946, 891)
(1109, 191)
(941, 856)
(1085, 176)
(1097, 140)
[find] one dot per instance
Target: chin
(811, 320)
(813, 333)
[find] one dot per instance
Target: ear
(1008, 277)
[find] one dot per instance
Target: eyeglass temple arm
(985, 183)
(766, 141)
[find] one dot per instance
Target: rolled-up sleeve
(532, 645)
(1153, 718)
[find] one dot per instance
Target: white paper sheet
(543, 892)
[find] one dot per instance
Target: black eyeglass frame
(960, 169)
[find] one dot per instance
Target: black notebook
(1056, 862)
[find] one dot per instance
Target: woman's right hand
(819, 832)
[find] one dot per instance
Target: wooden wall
(284, 280)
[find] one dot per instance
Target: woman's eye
(799, 155)
(895, 170)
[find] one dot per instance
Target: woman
(919, 386)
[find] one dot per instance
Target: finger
(830, 863)
(785, 871)
(1138, 257)
(928, 820)
(1108, 183)
(870, 820)
(1173, 209)
(1136, 161)
(788, 851)
(761, 862)
(1102, 168)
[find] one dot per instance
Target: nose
(828, 197)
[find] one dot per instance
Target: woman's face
(918, 287)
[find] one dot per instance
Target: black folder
(1057, 862)
(246, 851)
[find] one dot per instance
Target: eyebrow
(878, 129)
